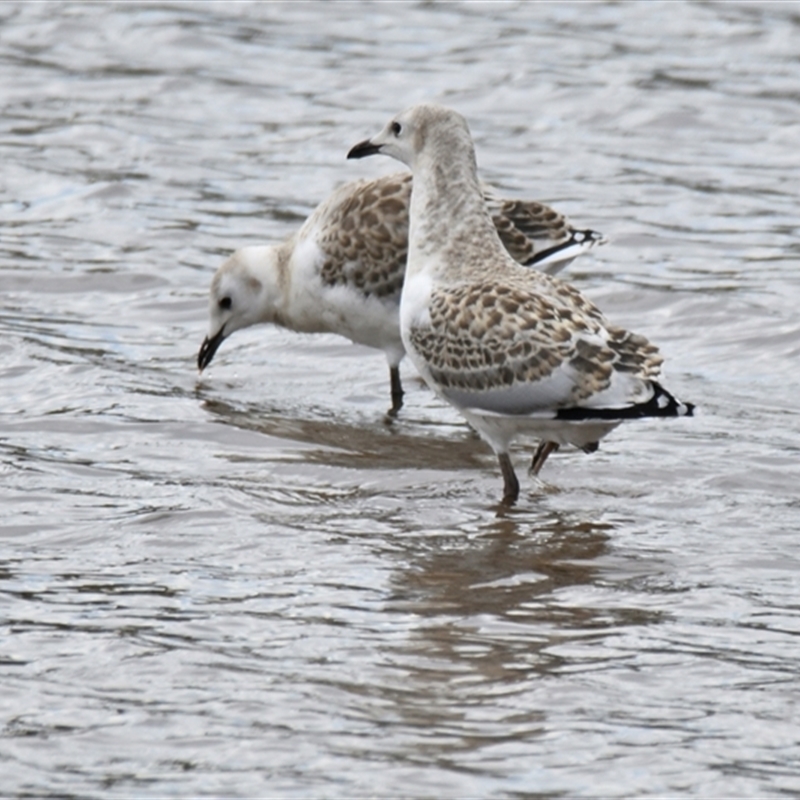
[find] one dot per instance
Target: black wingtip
(578, 242)
(661, 404)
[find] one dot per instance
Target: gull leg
(510, 482)
(540, 456)
(397, 391)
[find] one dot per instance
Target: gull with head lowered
(513, 349)
(342, 271)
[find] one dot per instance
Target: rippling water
(248, 584)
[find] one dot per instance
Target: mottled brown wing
(485, 337)
(365, 238)
(526, 227)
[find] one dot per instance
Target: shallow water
(247, 584)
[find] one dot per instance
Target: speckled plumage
(365, 234)
(343, 271)
(514, 350)
(485, 335)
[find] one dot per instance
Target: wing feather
(504, 348)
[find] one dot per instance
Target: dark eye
(225, 303)
(396, 128)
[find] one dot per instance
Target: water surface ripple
(246, 583)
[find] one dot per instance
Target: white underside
(499, 431)
(554, 391)
(317, 308)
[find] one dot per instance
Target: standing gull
(513, 349)
(342, 272)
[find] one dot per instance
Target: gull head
(240, 296)
(421, 130)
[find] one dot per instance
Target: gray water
(246, 583)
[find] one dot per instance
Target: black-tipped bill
(363, 149)
(209, 347)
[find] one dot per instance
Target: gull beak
(209, 347)
(363, 149)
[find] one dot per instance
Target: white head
(423, 131)
(244, 291)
